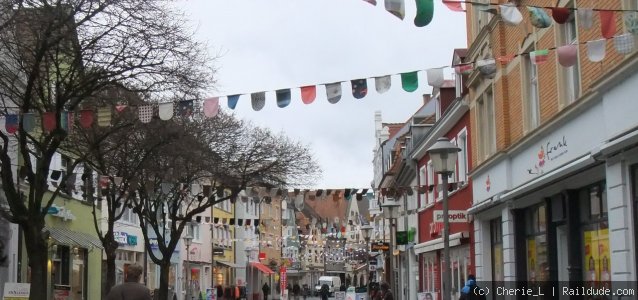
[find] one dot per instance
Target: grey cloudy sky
(273, 44)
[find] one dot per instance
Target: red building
(453, 122)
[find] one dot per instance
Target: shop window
(596, 264)
(78, 278)
(60, 265)
(429, 273)
(496, 238)
(536, 243)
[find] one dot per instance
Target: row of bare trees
(58, 56)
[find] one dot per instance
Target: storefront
(127, 254)
(564, 201)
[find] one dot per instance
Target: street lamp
(366, 230)
(443, 155)
(187, 241)
(248, 295)
(391, 212)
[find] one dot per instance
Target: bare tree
(57, 55)
(207, 162)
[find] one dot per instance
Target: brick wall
(507, 86)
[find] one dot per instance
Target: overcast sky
(273, 44)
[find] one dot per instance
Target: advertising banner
(426, 296)
(16, 291)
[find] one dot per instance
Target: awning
(261, 267)
(73, 238)
(229, 264)
(455, 240)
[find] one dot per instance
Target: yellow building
(223, 234)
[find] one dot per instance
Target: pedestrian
(296, 290)
(471, 291)
(386, 292)
(131, 289)
(266, 290)
(324, 291)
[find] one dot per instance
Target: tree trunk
(37, 253)
(110, 269)
(165, 268)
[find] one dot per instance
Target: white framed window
(194, 231)
(486, 125)
(452, 177)
(423, 182)
(430, 182)
(462, 165)
(531, 104)
(429, 273)
(569, 78)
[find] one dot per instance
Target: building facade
(555, 151)
(223, 238)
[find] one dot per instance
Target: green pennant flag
(424, 12)
(410, 81)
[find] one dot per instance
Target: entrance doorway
(562, 253)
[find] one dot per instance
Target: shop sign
(60, 212)
(380, 246)
(121, 237)
(16, 291)
(131, 240)
(454, 216)
(61, 292)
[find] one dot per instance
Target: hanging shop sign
(380, 246)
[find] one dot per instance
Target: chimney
(426, 98)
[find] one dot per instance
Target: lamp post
(390, 212)
(248, 271)
(187, 241)
(443, 155)
(366, 230)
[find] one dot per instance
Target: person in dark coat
(296, 290)
(266, 289)
(471, 291)
(386, 291)
(220, 292)
(131, 289)
(324, 291)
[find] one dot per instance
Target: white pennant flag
(166, 111)
(333, 92)
(382, 84)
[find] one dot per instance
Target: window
(480, 17)
(531, 106)
(569, 77)
(462, 156)
(486, 125)
(423, 182)
(430, 183)
(194, 232)
(128, 215)
(536, 243)
(597, 255)
(429, 273)
(496, 238)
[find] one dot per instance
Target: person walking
(471, 291)
(266, 289)
(131, 289)
(386, 293)
(296, 290)
(324, 291)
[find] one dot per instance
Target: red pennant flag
(86, 118)
(607, 23)
(120, 107)
(505, 59)
(453, 5)
(11, 123)
(48, 121)
(308, 94)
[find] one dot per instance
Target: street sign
(380, 246)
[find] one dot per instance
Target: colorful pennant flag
(258, 100)
(538, 17)
(631, 21)
(487, 67)
(510, 14)
(11, 123)
(211, 107)
(185, 108)
(624, 43)
(232, 101)
(424, 12)
(382, 84)
(539, 56)
(359, 88)
(120, 107)
(435, 77)
(505, 59)
(66, 121)
(145, 113)
(585, 17)
(596, 50)
(308, 94)
(86, 118)
(48, 121)
(410, 81)
(567, 55)
(28, 122)
(561, 14)
(463, 69)
(283, 97)
(454, 5)
(396, 7)
(165, 111)
(607, 23)
(333, 92)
